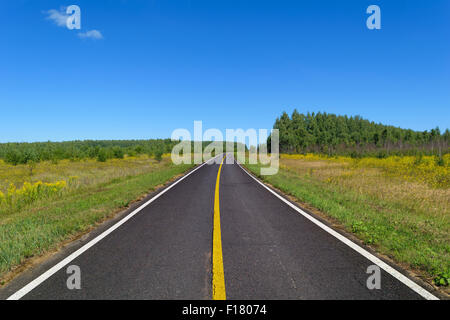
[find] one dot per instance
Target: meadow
(54, 202)
(399, 205)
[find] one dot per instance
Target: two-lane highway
(168, 249)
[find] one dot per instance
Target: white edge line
(400, 277)
(33, 284)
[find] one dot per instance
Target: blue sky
(160, 65)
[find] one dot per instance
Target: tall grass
(432, 170)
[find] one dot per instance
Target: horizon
(442, 130)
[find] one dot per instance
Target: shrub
(382, 154)
(13, 157)
(442, 279)
(118, 153)
(440, 161)
(138, 149)
(158, 155)
(102, 155)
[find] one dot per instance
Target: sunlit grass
(422, 169)
(19, 185)
(87, 171)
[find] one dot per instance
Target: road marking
(218, 278)
(33, 284)
(400, 277)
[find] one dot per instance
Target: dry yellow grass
(86, 171)
(423, 169)
(374, 182)
(19, 185)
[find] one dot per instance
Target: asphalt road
(269, 251)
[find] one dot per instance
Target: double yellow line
(218, 278)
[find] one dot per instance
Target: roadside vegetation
(58, 201)
(19, 187)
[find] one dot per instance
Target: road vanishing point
(216, 233)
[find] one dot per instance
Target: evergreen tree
(333, 134)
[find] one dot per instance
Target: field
(48, 203)
(398, 205)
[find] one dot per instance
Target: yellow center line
(218, 278)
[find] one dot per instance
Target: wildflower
(11, 190)
(2, 198)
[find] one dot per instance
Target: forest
(21, 153)
(354, 136)
(25, 153)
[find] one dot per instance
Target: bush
(354, 155)
(118, 153)
(158, 155)
(442, 279)
(102, 155)
(382, 154)
(139, 149)
(13, 157)
(440, 161)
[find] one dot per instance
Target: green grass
(410, 236)
(41, 227)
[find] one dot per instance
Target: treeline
(354, 136)
(22, 153)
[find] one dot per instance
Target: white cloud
(58, 17)
(93, 34)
